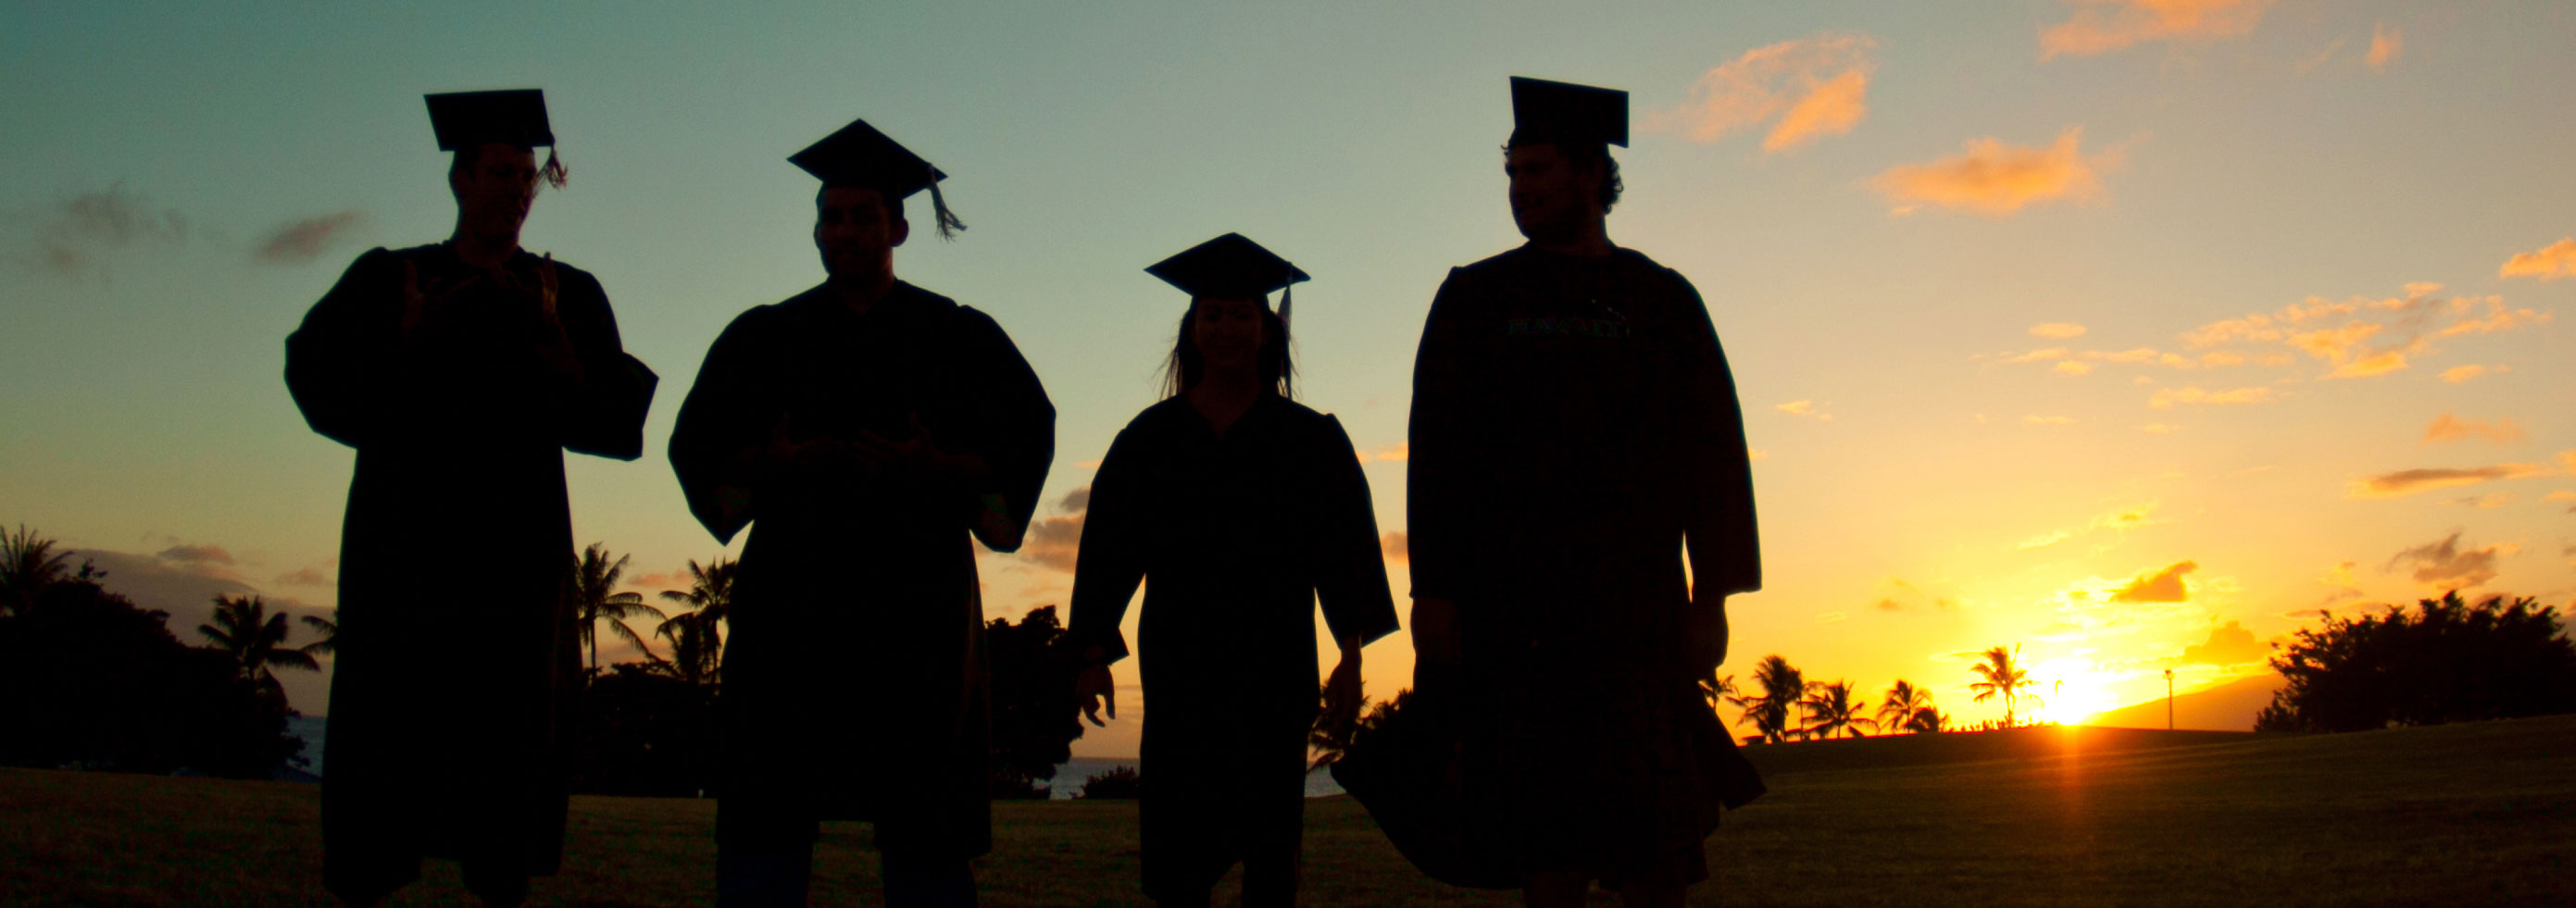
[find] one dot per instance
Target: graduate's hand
(1343, 696)
(1705, 633)
(554, 347)
(1093, 687)
(916, 457)
(1435, 631)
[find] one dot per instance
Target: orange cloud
(1831, 110)
(2162, 586)
(2547, 263)
(2458, 374)
(2102, 26)
(2562, 495)
(2166, 398)
(196, 554)
(2058, 330)
(2157, 428)
(2385, 44)
(1400, 453)
(2230, 645)
(2408, 482)
(2498, 318)
(1814, 86)
(1053, 541)
(1396, 546)
(2074, 367)
(1995, 179)
(2451, 428)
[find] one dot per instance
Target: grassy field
(2481, 813)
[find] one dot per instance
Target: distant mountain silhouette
(2227, 707)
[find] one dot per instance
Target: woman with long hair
(1240, 509)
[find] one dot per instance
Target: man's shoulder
(1641, 262)
(1500, 263)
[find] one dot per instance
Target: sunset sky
(2132, 332)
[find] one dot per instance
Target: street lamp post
(2168, 699)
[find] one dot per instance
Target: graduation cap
(1544, 111)
(860, 157)
(1230, 267)
(465, 120)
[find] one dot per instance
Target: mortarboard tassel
(949, 225)
(1285, 294)
(555, 174)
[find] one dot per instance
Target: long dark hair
(1270, 365)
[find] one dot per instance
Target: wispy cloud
(1806, 89)
(1995, 179)
(1807, 408)
(2458, 374)
(2547, 263)
(1396, 546)
(2562, 496)
(2102, 26)
(2444, 565)
(2057, 330)
(2408, 482)
(2120, 520)
(2447, 427)
(1396, 453)
(83, 227)
(2386, 43)
(297, 242)
(2168, 398)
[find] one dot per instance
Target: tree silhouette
(255, 639)
(1717, 688)
(1783, 687)
(1831, 708)
(1927, 721)
(328, 629)
(697, 635)
(595, 599)
(1903, 707)
(2000, 676)
(28, 564)
(1033, 725)
(2449, 661)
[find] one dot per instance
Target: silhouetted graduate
(863, 428)
(460, 371)
(1574, 425)
(1238, 509)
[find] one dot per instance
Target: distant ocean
(1068, 777)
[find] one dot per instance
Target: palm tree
(1782, 687)
(256, 639)
(2001, 677)
(1717, 688)
(329, 631)
(595, 599)
(1831, 708)
(1927, 721)
(28, 564)
(1904, 702)
(697, 636)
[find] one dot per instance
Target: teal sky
(2244, 158)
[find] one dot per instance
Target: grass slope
(2479, 813)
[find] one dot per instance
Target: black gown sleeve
(341, 362)
(1714, 468)
(1018, 424)
(1110, 561)
(1435, 495)
(607, 411)
(724, 417)
(1350, 569)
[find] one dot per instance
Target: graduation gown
(447, 700)
(1236, 537)
(854, 680)
(1574, 423)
